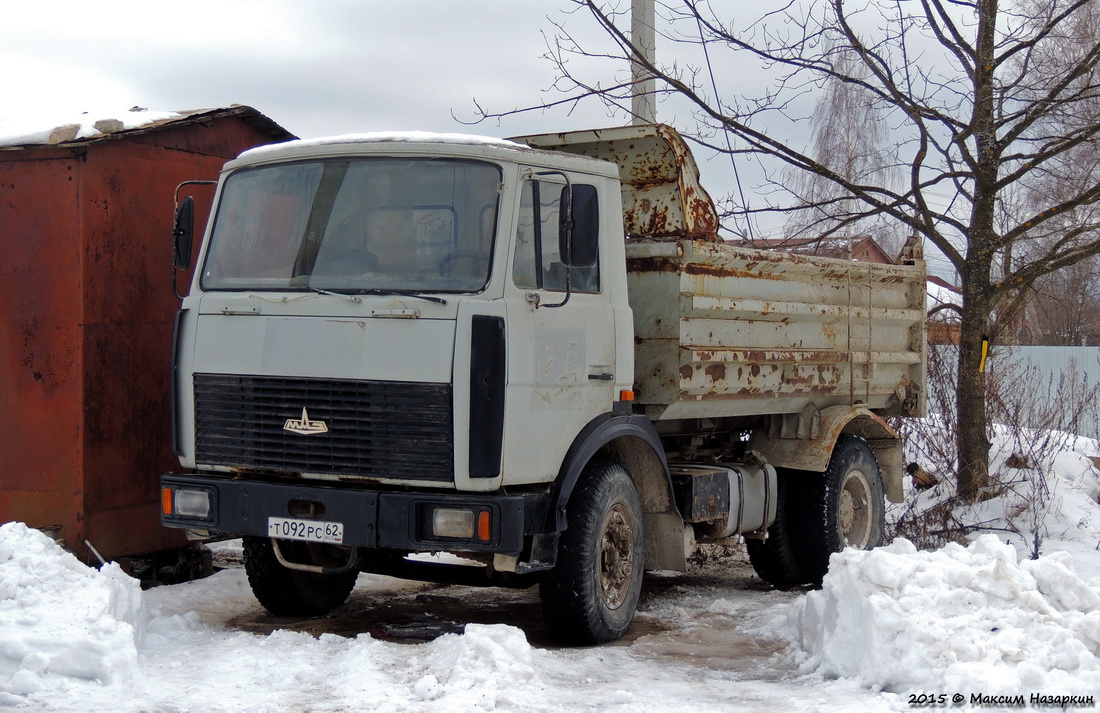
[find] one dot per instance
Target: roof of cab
(423, 144)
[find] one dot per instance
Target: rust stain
(774, 356)
(716, 372)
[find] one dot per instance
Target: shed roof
(93, 128)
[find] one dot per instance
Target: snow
(970, 619)
(32, 128)
(61, 619)
(978, 618)
(385, 137)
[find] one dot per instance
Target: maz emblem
(304, 426)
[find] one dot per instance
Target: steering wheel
(477, 263)
(352, 261)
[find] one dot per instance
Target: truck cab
(390, 344)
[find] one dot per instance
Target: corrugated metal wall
(1041, 386)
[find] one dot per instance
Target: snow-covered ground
(977, 623)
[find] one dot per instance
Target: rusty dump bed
(662, 196)
(725, 331)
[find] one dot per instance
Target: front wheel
(290, 592)
(592, 593)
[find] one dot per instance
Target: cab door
(561, 325)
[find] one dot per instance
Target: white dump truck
(534, 355)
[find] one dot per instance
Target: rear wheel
(844, 507)
(290, 592)
(773, 558)
(592, 593)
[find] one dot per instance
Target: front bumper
(371, 519)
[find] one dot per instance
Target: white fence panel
(1041, 387)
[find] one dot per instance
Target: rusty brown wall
(40, 374)
(85, 245)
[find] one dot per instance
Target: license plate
(285, 528)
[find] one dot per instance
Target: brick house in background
(863, 248)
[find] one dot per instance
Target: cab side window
(539, 260)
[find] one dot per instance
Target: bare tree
(1066, 307)
(975, 113)
(849, 132)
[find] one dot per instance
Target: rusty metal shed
(88, 305)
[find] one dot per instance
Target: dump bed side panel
(724, 331)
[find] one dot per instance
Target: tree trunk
(970, 405)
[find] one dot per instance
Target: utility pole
(643, 101)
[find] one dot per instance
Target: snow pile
(487, 667)
(59, 617)
(53, 129)
(964, 620)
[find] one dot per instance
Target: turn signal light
(484, 529)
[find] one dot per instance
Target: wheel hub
(855, 510)
(616, 557)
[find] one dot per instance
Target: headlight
(186, 502)
(462, 523)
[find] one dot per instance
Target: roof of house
(940, 292)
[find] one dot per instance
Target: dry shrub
(1033, 416)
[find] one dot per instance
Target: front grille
(375, 429)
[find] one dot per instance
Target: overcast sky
(321, 67)
(317, 67)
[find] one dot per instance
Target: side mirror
(184, 232)
(579, 235)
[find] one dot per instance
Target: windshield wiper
(401, 293)
(352, 296)
(346, 296)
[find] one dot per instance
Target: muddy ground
(669, 623)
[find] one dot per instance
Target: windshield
(417, 225)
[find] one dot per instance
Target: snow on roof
(54, 129)
(50, 129)
(388, 137)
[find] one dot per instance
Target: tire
(843, 508)
(289, 592)
(591, 594)
(773, 558)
